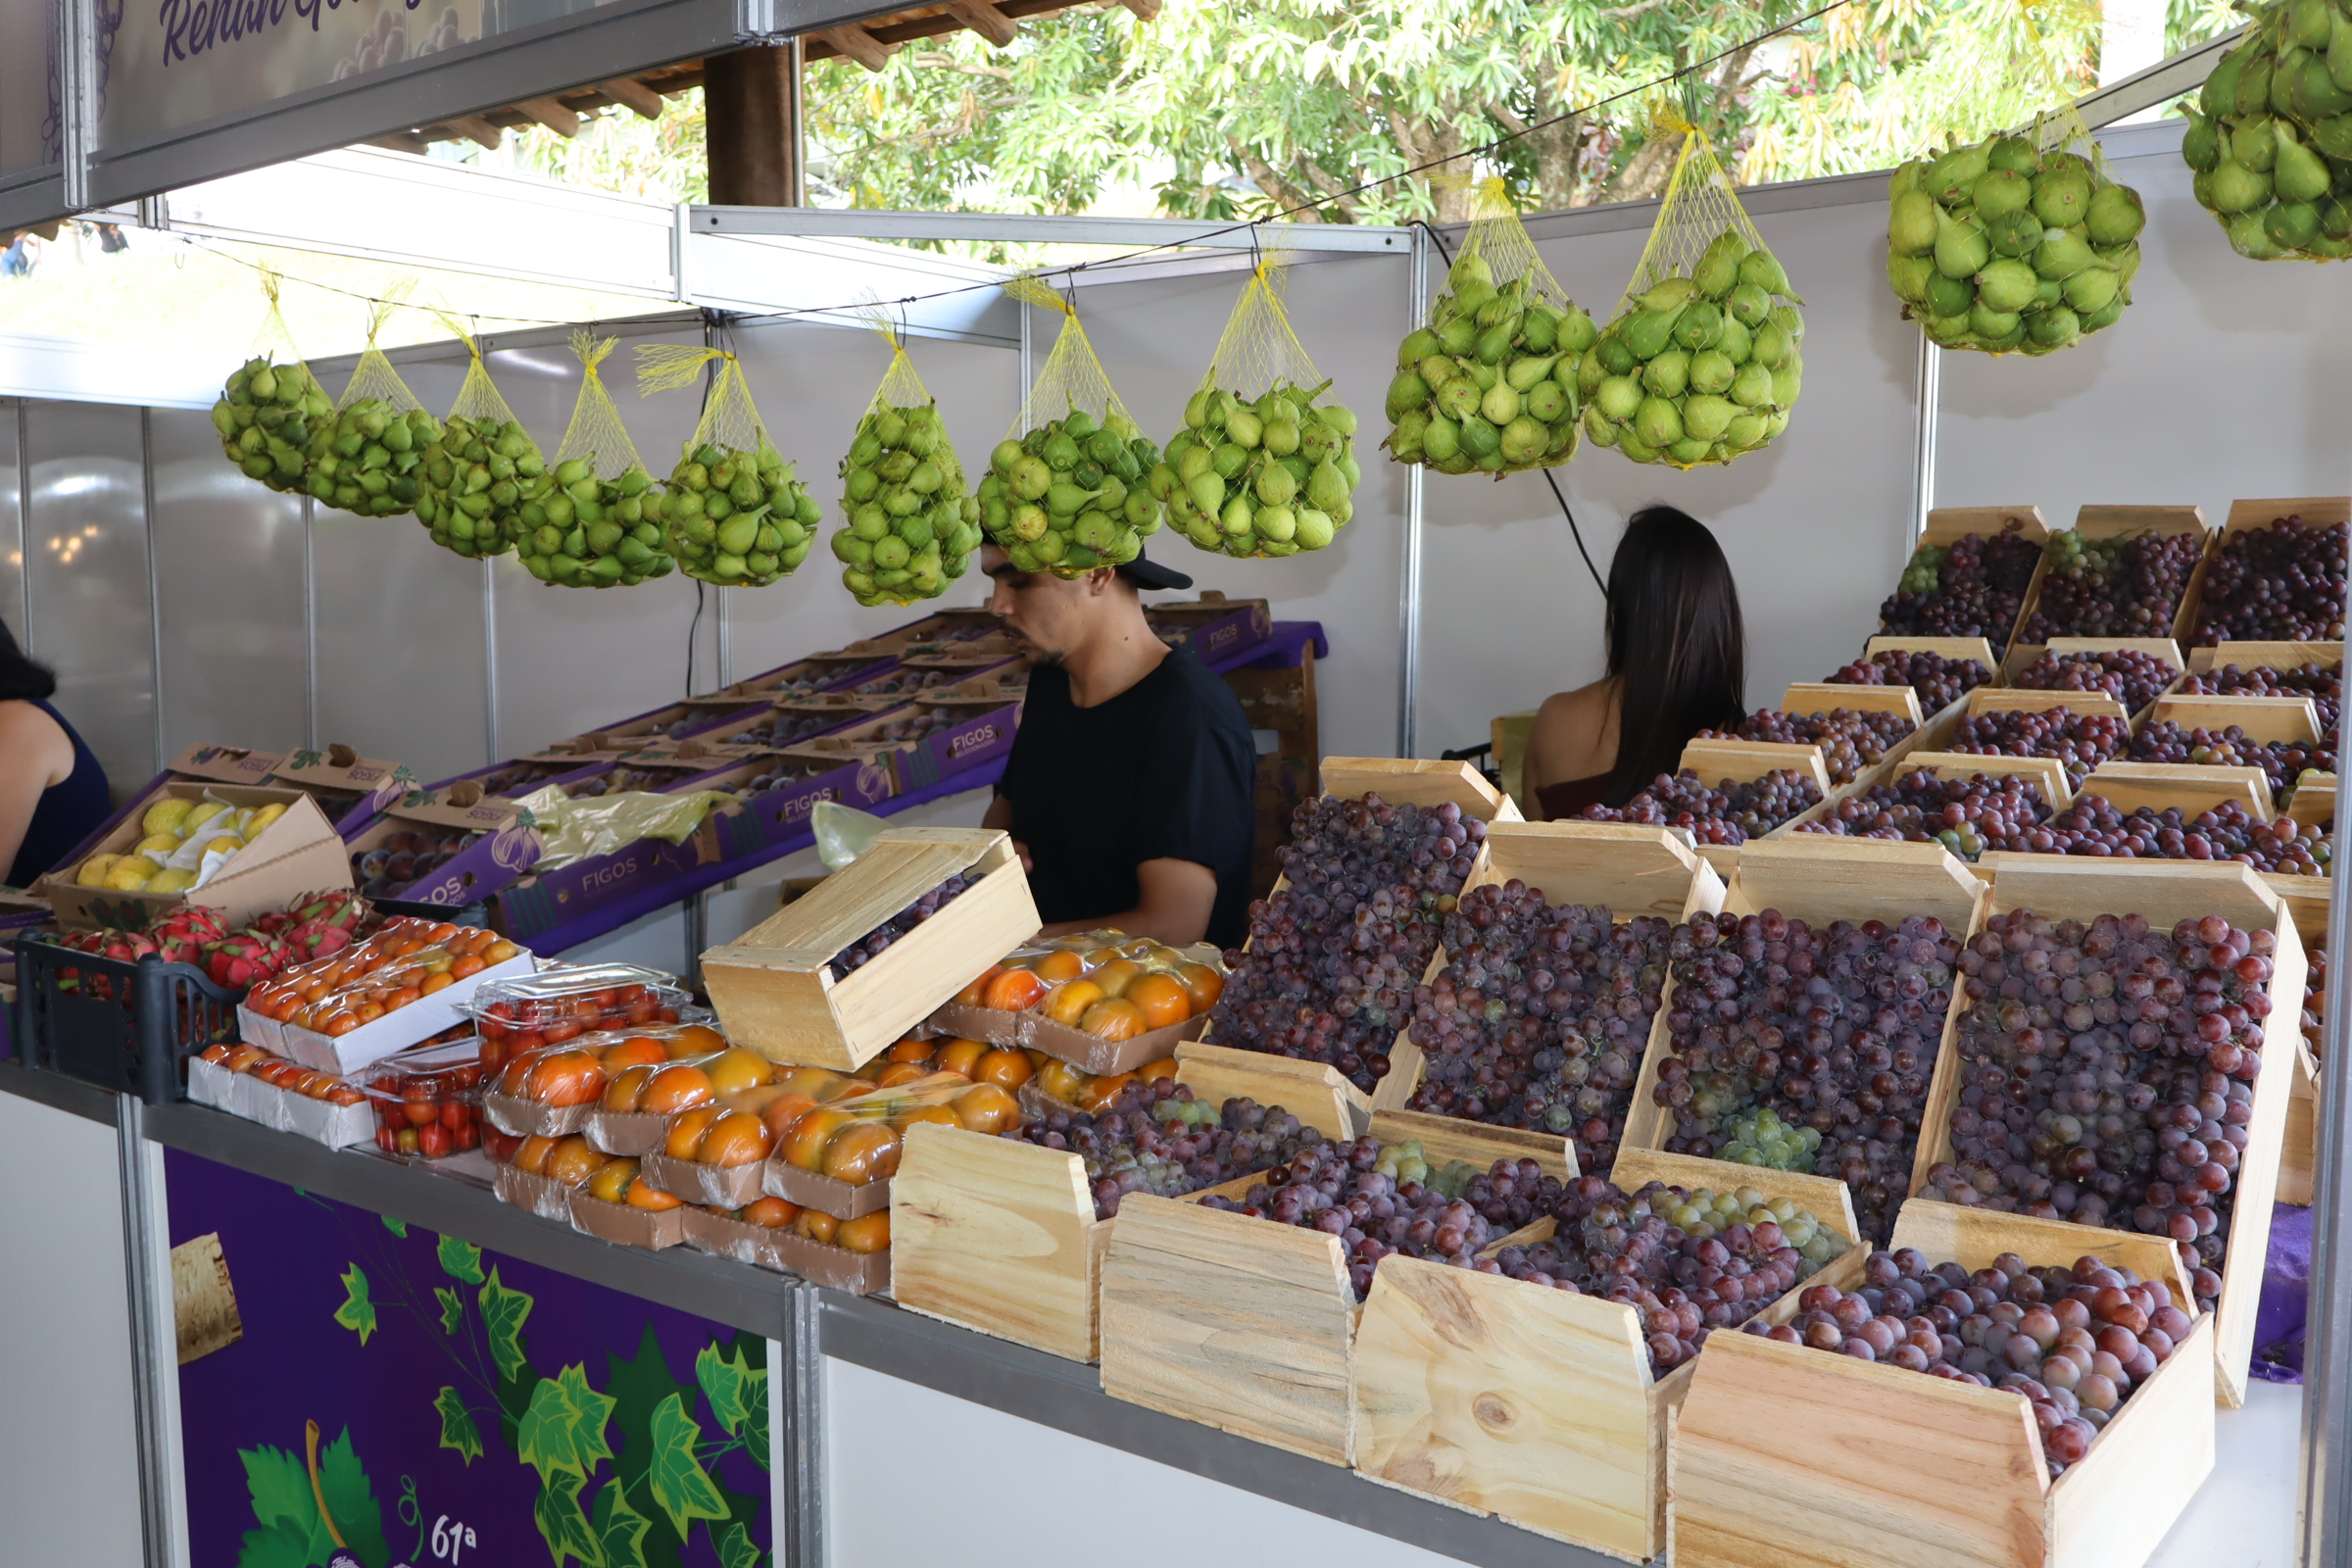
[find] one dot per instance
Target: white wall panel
(12, 522)
(229, 572)
(86, 559)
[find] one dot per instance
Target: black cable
(1549, 479)
(692, 628)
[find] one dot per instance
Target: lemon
(165, 816)
(261, 819)
(171, 879)
(161, 846)
(129, 873)
(93, 872)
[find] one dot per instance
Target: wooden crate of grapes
(2145, 668)
(2178, 536)
(1246, 1324)
(1718, 762)
(1794, 1455)
(2019, 699)
(1543, 1407)
(2257, 516)
(777, 988)
(2233, 899)
(1993, 604)
(2186, 787)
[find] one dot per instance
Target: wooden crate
(1819, 878)
(2191, 786)
(1801, 1458)
(2047, 772)
(2166, 892)
(1530, 1403)
(2130, 522)
(2163, 648)
(2318, 512)
(1418, 781)
(1979, 649)
(2265, 656)
(1631, 868)
(1246, 1325)
(2262, 718)
(1507, 738)
(2019, 699)
(1820, 697)
(2306, 900)
(775, 995)
(1948, 524)
(1745, 761)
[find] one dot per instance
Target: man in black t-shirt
(1130, 792)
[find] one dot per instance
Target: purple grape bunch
(1940, 682)
(2283, 583)
(1850, 739)
(1966, 815)
(2323, 686)
(1731, 812)
(1972, 587)
(2094, 826)
(2165, 740)
(2079, 741)
(2130, 676)
(2112, 587)
(1157, 1138)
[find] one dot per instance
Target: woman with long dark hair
(1678, 665)
(52, 791)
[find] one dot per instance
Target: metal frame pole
(2325, 1482)
(154, 1338)
(489, 660)
(310, 623)
(1923, 452)
(1408, 585)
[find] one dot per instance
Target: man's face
(1050, 615)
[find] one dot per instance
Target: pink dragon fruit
(277, 923)
(315, 939)
(244, 958)
(339, 908)
(181, 935)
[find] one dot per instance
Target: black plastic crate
(124, 1026)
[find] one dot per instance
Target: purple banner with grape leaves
(365, 1392)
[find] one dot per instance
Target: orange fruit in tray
(861, 1153)
(1068, 1004)
(675, 1088)
(958, 1057)
(869, 1233)
(738, 1138)
(987, 1108)
(1099, 1093)
(816, 1224)
(686, 1130)
(573, 1160)
(807, 1080)
(1202, 984)
(1162, 1000)
(900, 1072)
(1114, 1019)
(1164, 1068)
(624, 1093)
(782, 1111)
(612, 1180)
(1059, 966)
(638, 1051)
(974, 994)
(695, 1040)
(566, 1078)
(768, 1214)
(1061, 1080)
(640, 1196)
(1116, 976)
(804, 1145)
(1006, 1069)
(736, 1069)
(910, 1050)
(1013, 991)
(532, 1155)
(944, 1115)
(873, 1070)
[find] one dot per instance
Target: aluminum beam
(2184, 72)
(808, 222)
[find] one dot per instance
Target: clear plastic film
(735, 513)
(1488, 383)
(575, 830)
(1066, 491)
(266, 410)
(843, 832)
(370, 459)
(1702, 361)
(909, 526)
(482, 468)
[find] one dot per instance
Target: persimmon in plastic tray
(565, 1001)
(393, 990)
(774, 1233)
(276, 1092)
(601, 1193)
(427, 1100)
(556, 1088)
(1100, 1000)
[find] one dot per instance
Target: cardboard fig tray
(350, 789)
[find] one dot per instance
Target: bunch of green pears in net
(1070, 496)
(264, 416)
(477, 478)
(1489, 384)
(909, 529)
(587, 532)
(2001, 247)
(1701, 368)
(1269, 477)
(2271, 136)
(738, 519)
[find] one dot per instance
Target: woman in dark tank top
(53, 793)
(1677, 665)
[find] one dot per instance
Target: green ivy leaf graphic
(352, 1501)
(681, 1486)
(398, 1227)
(457, 1430)
(453, 1308)
(285, 1545)
(279, 1486)
(754, 1408)
(564, 1427)
(504, 1310)
(619, 1529)
(461, 1260)
(560, 1522)
(722, 1383)
(357, 1314)
(735, 1548)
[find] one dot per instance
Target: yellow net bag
(1260, 469)
(2018, 243)
(1702, 363)
(266, 412)
(909, 526)
(1486, 384)
(597, 523)
(482, 468)
(370, 460)
(735, 513)
(1065, 489)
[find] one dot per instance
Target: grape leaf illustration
(457, 1430)
(735, 1548)
(461, 1259)
(566, 1529)
(504, 1310)
(398, 1227)
(722, 1383)
(453, 1308)
(619, 1529)
(284, 1545)
(563, 1430)
(291, 1532)
(754, 1410)
(357, 1312)
(681, 1486)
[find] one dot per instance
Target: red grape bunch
(1833, 1028)
(1850, 740)
(870, 947)
(2323, 686)
(1156, 1138)
(1731, 812)
(2315, 1001)
(2285, 583)
(2166, 740)
(1540, 1016)
(1332, 959)
(1966, 815)
(2109, 1075)
(2080, 742)
(2130, 676)
(1972, 587)
(1940, 682)
(2074, 1341)
(1688, 1263)
(2112, 587)
(2092, 826)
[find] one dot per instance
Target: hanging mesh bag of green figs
(272, 402)
(909, 526)
(370, 457)
(1488, 383)
(483, 467)
(2271, 136)
(1066, 490)
(599, 521)
(737, 515)
(1702, 361)
(1261, 468)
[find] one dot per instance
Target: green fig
(1911, 223)
(2250, 238)
(1668, 375)
(1752, 387)
(1749, 304)
(1648, 334)
(2006, 284)
(2060, 255)
(2299, 174)
(2291, 226)
(2239, 189)
(2340, 52)
(2333, 137)
(2308, 22)
(1658, 423)
(2060, 197)
(1711, 371)
(1952, 176)
(2088, 292)
(2254, 85)
(1699, 326)
(2219, 95)
(1717, 272)
(1761, 270)
(2000, 191)
(1949, 296)
(1987, 323)
(2114, 214)
(1706, 417)
(1961, 249)
(2254, 143)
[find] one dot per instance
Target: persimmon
(435, 982)
(696, 1040)
(735, 1069)
(975, 994)
(958, 1057)
(1116, 976)
(1202, 984)
(1013, 991)
(1164, 1068)
(816, 1224)
(861, 1153)
(1114, 1019)
(612, 1180)
(987, 1108)
(910, 1050)
(573, 1160)
(804, 1145)
(1059, 966)
(498, 952)
(566, 1078)
(1068, 1005)
(868, 1233)
(635, 1051)
(738, 1138)
(781, 1112)
(1160, 997)
(1006, 1069)
(1096, 1097)
(641, 1196)
(531, 1154)
(944, 1115)
(471, 964)
(900, 1072)
(768, 1214)
(677, 1087)
(1061, 1080)
(843, 1089)
(684, 1138)
(807, 1080)
(873, 1070)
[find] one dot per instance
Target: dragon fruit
(181, 935)
(277, 923)
(339, 908)
(244, 958)
(315, 939)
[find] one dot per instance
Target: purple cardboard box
(1213, 626)
(773, 821)
(980, 732)
(351, 789)
(506, 849)
(675, 722)
(519, 776)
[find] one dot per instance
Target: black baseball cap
(1145, 572)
